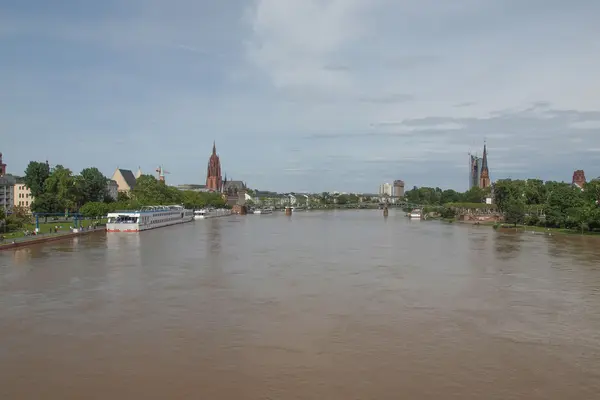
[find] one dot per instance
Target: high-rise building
(474, 170)
(398, 188)
(214, 181)
(385, 190)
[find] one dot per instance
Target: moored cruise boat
(147, 218)
(415, 214)
(263, 211)
(211, 213)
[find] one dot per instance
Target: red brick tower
(2, 167)
(578, 178)
(484, 180)
(214, 181)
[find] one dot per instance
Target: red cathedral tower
(484, 180)
(214, 181)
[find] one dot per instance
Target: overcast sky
(312, 95)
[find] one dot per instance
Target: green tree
(123, 197)
(342, 199)
(94, 209)
(450, 196)
(2, 218)
(592, 191)
(22, 214)
(503, 193)
(36, 174)
(93, 185)
(534, 191)
(47, 203)
(62, 184)
(514, 212)
(474, 195)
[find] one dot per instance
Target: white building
(22, 196)
(386, 189)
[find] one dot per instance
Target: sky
(303, 95)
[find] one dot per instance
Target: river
(321, 305)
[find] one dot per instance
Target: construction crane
(161, 173)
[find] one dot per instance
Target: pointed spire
(214, 147)
(484, 165)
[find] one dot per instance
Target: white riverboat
(263, 211)
(148, 218)
(211, 213)
(415, 214)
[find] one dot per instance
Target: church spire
(214, 147)
(484, 180)
(484, 162)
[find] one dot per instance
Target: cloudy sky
(303, 94)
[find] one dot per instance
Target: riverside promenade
(12, 243)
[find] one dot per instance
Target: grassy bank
(48, 227)
(530, 228)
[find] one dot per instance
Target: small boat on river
(415, 214)
(211, 213)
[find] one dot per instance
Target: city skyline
(343, 95)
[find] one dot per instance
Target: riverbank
(44, 238)
(527, 228)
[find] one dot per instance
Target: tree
(503, 193)
(592, 191)
(36, 174)
(535, 191)
(93, 185)
(123, 197)
(64, 186)
(22, 214)
(94, 209)
(2, 217)
(450, 196)
(47, 203)
(474, 195)
(514, 212)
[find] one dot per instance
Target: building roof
(233, 185)
(128, 177)
(7, 180)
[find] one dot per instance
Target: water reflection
(213, 241)
(585, 248)
(507, 245)
(124, 248)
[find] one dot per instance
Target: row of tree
(550, 204)
(58, 190)
(149, 191)
(531, 201)
(437, 196)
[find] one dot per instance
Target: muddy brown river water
(322, 305)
